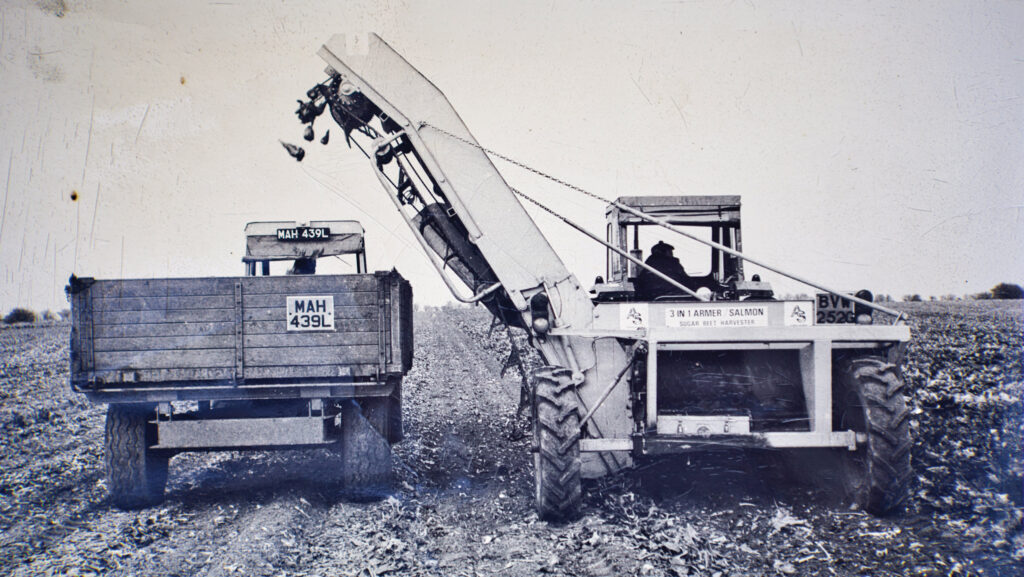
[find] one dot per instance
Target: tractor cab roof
(681, 210)
(290, 240)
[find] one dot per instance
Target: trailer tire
(385, 413)
(877, 475)
(136, 474)
(377, 412)
(396, 431)
(365, 452)
(556, 434)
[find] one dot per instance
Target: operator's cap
(662, 247)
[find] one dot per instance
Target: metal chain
(555, 214)
(536, 202)
(520, 165)
(515, 162)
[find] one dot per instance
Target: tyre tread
(878, 388)
(557, 433)
(366, 472)
(136, 474)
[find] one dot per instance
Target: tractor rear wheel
(556, 434)
(365, 452)
(136, 474)
(877, 474)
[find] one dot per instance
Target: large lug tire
(877, 474)
(377, 412)
(136, 474)
(385, 413)
(556, 434)
(365, 452)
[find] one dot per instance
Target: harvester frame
(606, 395)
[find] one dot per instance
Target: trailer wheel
(556, 435)
(876, 475)
(385, 413)
(365, 452)
(136, 474)
(377, 412)
(396, 431)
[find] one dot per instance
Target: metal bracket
(88, 338)
(380, 143)
(431, 256)
(383, 319)
(607, 391)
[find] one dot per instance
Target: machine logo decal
(633, 316)
(798, 314)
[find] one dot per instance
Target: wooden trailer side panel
(194, 331)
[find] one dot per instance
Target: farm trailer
(720, 364)
(252, 362)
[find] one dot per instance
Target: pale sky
(876, 144)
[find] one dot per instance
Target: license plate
(304, 233)
(310, 313)
(830, 309)
(703, 426)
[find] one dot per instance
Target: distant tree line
(24, 315)
(1005, 290)
(1002, 291)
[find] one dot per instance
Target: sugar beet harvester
(723, 365)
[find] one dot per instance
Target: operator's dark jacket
(649, 286)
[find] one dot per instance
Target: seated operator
(303, 266)
(650, 286)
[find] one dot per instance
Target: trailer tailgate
(199, 331)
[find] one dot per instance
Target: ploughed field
(463, 500)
